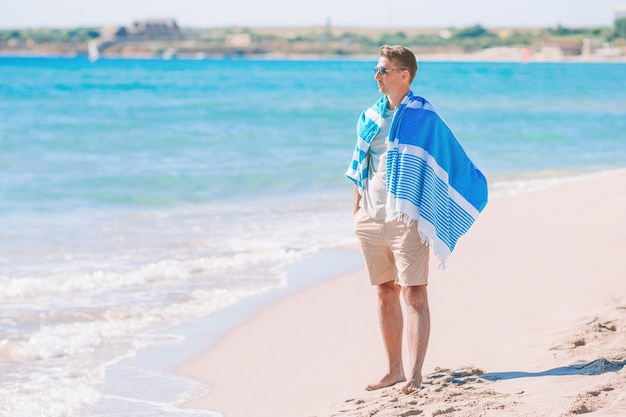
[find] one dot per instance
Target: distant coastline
(488, 56)
(164, 39)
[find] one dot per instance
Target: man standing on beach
(413, 184)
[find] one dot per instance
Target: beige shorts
(393, 251)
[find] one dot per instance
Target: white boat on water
(93, 51)
(168, 54)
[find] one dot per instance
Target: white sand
(538, 283)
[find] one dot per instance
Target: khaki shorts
(393, 251)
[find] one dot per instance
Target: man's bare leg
(390, 320)
(418, 332)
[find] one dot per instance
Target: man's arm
(357, 199)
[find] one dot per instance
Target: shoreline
(332, 348)
(155, 366)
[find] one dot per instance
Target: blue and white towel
(430, 178)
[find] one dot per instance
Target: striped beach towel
(430, 178)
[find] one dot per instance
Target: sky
(21, 14)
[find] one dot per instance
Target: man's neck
(395, 99)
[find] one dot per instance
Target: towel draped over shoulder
(430, 178)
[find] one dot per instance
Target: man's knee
(415, 296)
(388, 291)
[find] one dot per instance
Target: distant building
(566, 48)
(154, 29)
(238, 40)
(143, 30)
(590, 45)
(620, 12)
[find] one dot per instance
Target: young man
(413, 184)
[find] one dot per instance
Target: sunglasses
(383, 71)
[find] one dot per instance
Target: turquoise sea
(138, 197)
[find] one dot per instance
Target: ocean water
(142, 197)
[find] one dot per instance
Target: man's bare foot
(412, 386)
(387, 381)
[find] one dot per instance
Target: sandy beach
(528, 319)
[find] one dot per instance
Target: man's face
(389, 79)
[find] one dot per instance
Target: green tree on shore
(620, 28)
